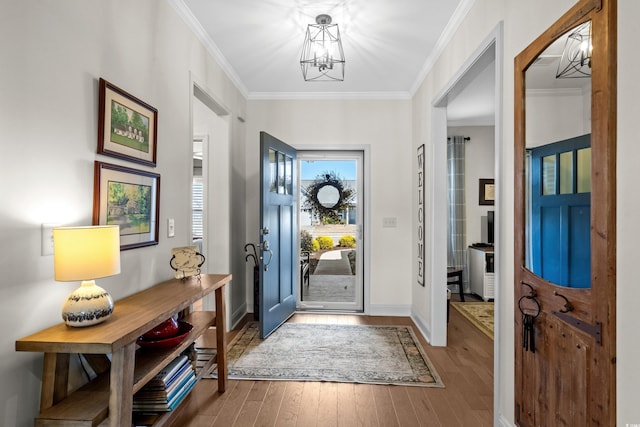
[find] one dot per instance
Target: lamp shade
(84, 253)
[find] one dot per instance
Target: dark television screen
(490, 227)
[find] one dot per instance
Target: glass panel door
(330, 222)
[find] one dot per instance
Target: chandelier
(322, 57)
(576, 57)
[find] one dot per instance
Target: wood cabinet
(481, 273)
(108, 399)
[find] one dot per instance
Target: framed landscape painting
(128, 198)
(127, 126)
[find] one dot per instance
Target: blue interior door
(561, 212)
(278, 240)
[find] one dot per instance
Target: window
(197, 211)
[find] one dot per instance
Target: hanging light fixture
(322, 56)
(576, 56)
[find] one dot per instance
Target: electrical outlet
(47, 238)
(171, 227)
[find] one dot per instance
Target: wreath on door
(327, 196)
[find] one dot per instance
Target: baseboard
(389, 310)
(422, 326)
(503, 422)
(238, 316)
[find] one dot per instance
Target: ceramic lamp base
(88, 305)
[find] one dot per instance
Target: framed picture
(127, 126)
(487, 192)
(421, 216)
(129, 198)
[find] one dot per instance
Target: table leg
(120, 397)
(221, 339)
(55, 379)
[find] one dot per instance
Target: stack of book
(205, 350)
(167, 389)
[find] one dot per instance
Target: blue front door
(278, 240)
(560, 230)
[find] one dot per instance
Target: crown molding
(191, 21)
(334, 96)
(447, 34)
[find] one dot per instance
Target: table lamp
(85, 254)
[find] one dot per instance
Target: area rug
(479, 313)
(338, 353)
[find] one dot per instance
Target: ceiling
(389, 46)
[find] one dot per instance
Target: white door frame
(366, 206)
(438, 186)
(220, 143)
(359, 157)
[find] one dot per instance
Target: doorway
(210, 216)
(490, 49)
(477, 83)
(330, 222)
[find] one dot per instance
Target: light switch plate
(171, 227)
(389, 222)
(46, 231)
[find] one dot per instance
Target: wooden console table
(108, 399)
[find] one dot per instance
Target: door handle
(264, 246)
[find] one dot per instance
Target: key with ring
(528, 331)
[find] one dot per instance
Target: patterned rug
(339, 353)
(479, 313)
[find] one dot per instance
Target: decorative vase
(88, 305)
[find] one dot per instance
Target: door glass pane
(281, 173)
(566, 172)
(548, 175)
(288, 174)
(273, 170)
(584, 170)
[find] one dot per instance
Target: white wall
(385, 128)
(53, 53)
(557, 116)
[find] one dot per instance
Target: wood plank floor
(465, 366)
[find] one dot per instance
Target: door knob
(265, 248)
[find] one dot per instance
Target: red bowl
(183, 330)
(166, 329)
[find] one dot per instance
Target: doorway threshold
(319, 309)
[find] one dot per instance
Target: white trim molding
(399, 310)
